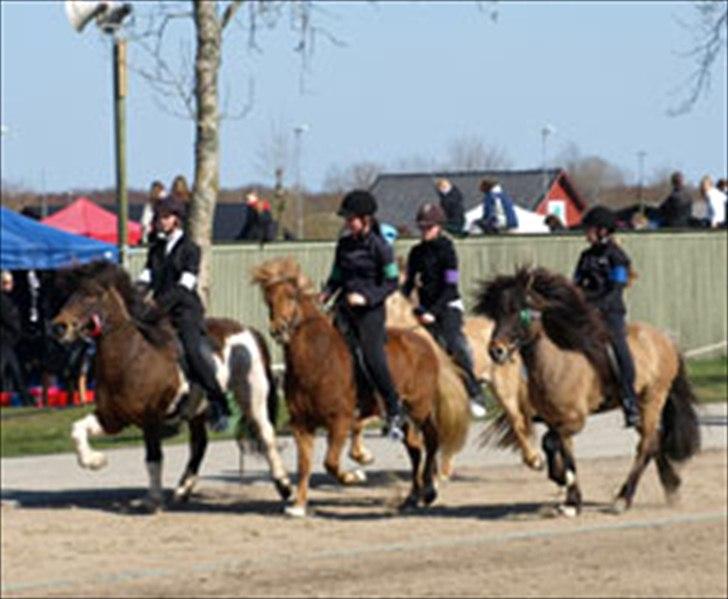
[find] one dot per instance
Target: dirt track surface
(489, 534)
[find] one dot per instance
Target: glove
(356, 299)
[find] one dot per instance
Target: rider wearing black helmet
(173, 263)
(365, 273)
(432, 266)
(602, 273)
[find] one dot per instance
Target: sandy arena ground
(66, 532)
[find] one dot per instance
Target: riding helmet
(357, 203)
(601, 217)
(430, 214)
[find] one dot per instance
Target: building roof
(400, 194)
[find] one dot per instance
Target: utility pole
(640, 183)
(545, 132)
(298, 131)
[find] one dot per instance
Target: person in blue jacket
(603, 273)
(365, 273)
(499, 213)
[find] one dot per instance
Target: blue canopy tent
(27, 244)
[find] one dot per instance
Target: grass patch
(33, 431)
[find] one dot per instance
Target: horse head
(515, 309)
(85, 313)
(284, 290)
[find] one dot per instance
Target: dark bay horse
(139, 378)
(563, 343)
(321, 391)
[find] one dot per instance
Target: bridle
(526, 317)
(289, 327)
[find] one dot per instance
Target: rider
(602, 273)
(432, 266)
(173, 263)
(365, 273)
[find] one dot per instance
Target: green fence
(682, 283)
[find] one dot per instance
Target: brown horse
(139, 378)
(564, 346)
(321, 391)
(505, 381)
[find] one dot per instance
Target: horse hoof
(364, 458)
(536, 462)
(359, 475)
(429, 495)
(619, 506)
(150, 505)
(569, 511)
(284, 488)
(295, 511)
(95, 461)
(409, 504)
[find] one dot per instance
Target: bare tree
(471, 153)
(360, 175)
(590, 174)
(708, 28)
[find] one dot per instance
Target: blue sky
(411, 79)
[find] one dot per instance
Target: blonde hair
(706, 183)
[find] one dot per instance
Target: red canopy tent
(84, 217)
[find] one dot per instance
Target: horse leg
(505, 386)
(429, 491)
(647, 448)
(198, 444)
(304, 438)
(82, 429)
(572, 506)
(258, 412)
(338, 431)
(357, 450)
(153, 447)
(413, 443)
(551, 443)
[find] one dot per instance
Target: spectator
(554, 223)
(258, 223)
(180, 191)
(676, 208)
(451, 201)
(10, 333)
(722, 185)
(499, 213)
(149, 215)
(701, 210)
(715, 200)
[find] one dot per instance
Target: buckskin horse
(139, 378)
(564, 346)
(321, 391)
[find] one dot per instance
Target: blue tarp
(26, 244)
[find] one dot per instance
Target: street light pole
(545, 132)
(641, 169)
(120, 81)
(298, 131)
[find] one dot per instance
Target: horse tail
(499, 433)
(452, 411)
(680, 434)
(272, 400)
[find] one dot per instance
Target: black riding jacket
(433, 266)
(602, 273)
(173, 279)
(363, 265)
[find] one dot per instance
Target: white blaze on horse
(139, 379)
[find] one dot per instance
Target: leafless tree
(708, 28)
(360, 175)
(471, 153)
(590, 174)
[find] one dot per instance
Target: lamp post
(640, 182)
(298, 130)
(546, 130)
(109, 16)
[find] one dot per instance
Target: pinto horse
(321, 390)
(564, 346)
(139, 379)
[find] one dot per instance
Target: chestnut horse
(139, 379)
(321, 390)
(564, 345)
(505, 381)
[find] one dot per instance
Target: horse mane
(276, 270)
(568, 320)
(151, 322)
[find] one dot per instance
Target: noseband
(526, 317)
